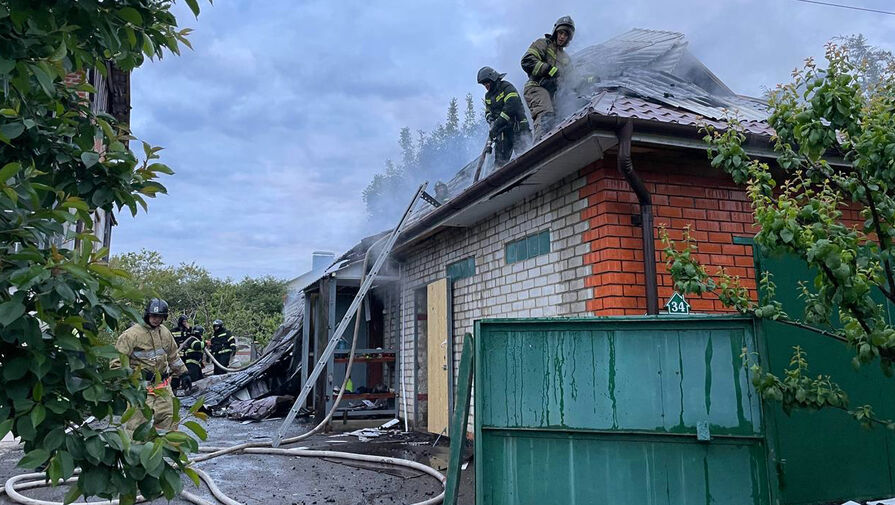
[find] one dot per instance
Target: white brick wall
(546, 286)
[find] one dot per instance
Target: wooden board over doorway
(438, 349)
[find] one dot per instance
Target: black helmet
(566, 23)
(182, 319)
(489, 74)
(156, 306)
(198, 330)
(217, 322)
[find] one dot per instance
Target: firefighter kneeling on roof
(152, 352)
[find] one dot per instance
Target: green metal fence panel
(582, 468)
(825, 456)
(608, 411)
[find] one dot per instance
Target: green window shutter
(530, 246)
(461, 269)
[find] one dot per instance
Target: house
(112, 97)
(556, 232)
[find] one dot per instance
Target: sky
(285, 109)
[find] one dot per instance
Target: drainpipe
(626, 167)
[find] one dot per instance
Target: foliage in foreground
(60, 163)
(843, 113)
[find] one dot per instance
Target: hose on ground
(226, 369)
(258, 447)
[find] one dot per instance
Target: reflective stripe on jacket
(151, 349)
(504, 106)
(544, 59)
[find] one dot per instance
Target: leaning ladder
(346, 319)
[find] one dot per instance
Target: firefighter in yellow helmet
(546, 64)
(152, 352)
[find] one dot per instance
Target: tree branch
(884, 242)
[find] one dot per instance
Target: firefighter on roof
(505, 113)
(546, 64)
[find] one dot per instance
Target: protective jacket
(152, 350)
(503, 108)
(545, 63)
(181, 333)
(192, 350)
(223, 342)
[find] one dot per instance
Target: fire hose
(12, 486)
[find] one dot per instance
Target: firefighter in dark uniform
(192, 353)
(181, 332)
(505, 113)
(223, 345)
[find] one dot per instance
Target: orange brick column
(714, 207)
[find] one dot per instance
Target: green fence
(613, 410)
(821, 457)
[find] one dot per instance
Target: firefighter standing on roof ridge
(505, 113)
(223, 346)
(151, 350)
(546, 64)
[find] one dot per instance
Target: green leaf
(6, 66)
(45, 80)
(67, 464)
(197, 429)
(194, 6)
(34, 458)
(12, 130)
(9, 170)
(132, 15)
(171, 483)
(192, 475)
(10, 311)
(38, 414)
(161, 167)
(89, 158)
(54, 439)
(16, 368)
(73, 494)
(5, 426)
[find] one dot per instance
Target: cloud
(284, 111)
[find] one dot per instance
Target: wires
(830, 4)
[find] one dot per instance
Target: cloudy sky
(285, 109)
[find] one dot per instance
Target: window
(461, 269)
(528, 247)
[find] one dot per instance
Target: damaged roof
(647, 75)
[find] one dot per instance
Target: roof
(647, 75)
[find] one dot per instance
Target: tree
(252, 307)
(872, 61)
(60, 162)
(435, 156)
(824, 113)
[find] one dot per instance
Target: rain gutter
(626, 167)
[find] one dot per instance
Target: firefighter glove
(186, 382)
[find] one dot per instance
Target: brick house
(559, 230)
(567, 229)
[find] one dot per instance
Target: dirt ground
(266, 479)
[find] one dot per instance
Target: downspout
(626, 167)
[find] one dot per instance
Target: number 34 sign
(677, 304)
